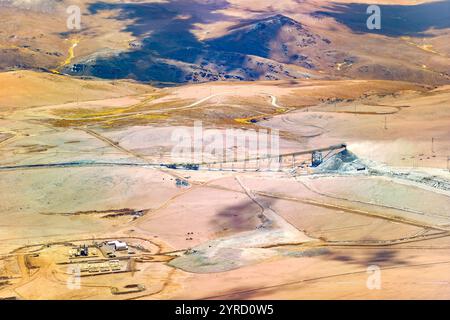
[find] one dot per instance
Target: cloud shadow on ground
(396, 20)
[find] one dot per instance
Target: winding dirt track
(128, 114)
(357, 211)
(156, 111)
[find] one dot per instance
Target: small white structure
(118, 245)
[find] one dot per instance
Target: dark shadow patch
(165, 33)
(240, 217)
(342, 258)
(167, 50)
(385, 257)
(396, 20)
(382, 258)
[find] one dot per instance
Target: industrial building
(118, 245)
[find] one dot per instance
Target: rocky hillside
(180, 41)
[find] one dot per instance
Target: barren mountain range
(182, 41)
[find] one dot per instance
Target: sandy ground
(227, 234)
(80, 164)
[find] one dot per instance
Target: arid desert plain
(89, 163)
